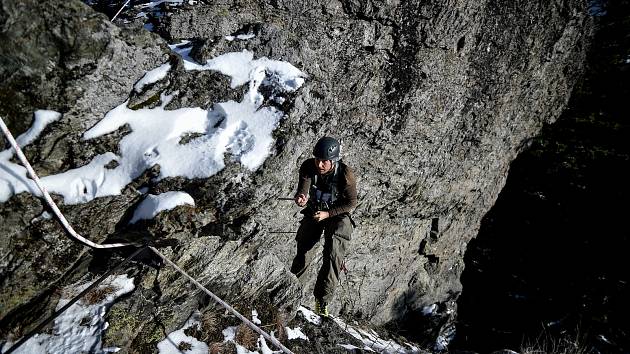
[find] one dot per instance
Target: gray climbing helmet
(327, 148)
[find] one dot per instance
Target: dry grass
(212, 327)
(280, 323)
(547, 344)
(246, 337)
(193, 331)
(99, 294)
(222, 348)
(184, 346)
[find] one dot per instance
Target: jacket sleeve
(348, 200)
(304, 178)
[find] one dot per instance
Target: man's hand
(301, 200)
(321, 215)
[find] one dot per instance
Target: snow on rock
(229, 335)
(13, 177)
(153, 204)
(310, 316)
(152, 76)
(242, 37)
(80, 328)
(42, 119)
(429, 309)
(255, 318)
(349, 347)
(240, 129)
(183, 49)
(152, 4)
(178, 339)
(85, 183)
(295, 333)
(372, 342)
(240, 65)
(264, 348)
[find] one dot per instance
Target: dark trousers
(337, 233)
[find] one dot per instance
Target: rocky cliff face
(432, 100)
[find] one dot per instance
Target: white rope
(51, 203)
(119, 11)
(224, 304)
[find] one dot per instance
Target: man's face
(323, 166)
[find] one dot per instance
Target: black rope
(75, 299)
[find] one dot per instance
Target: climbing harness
(89, 243)
(327, 193)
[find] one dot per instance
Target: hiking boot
(321, 308)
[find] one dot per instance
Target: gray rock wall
(59, 55)
(431, 99)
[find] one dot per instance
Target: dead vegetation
(98, 295)
(246, 337)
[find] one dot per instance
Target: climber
(327, 190)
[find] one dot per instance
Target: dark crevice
(549, 259)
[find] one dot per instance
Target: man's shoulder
(308, 166)
(346, 170)
(344, 166)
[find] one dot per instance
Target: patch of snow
(245, 37)
(242, 37)
(183, 49)
(373, 342)
(348, 346)
(445, 337)
(240, 65)
(85, 183)
(13, 177)
(80, 328)
(153, 204)
(295, 333)
(42, 119)
(229, 335)
(310, 316)
(255, 318)
(172, 342)
(159, 2)
(429, 310)
(153, 76)
(603, 339)
(43, 216)
(264, 348)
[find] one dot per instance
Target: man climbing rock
(327, 190)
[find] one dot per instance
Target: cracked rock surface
(431, 100)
